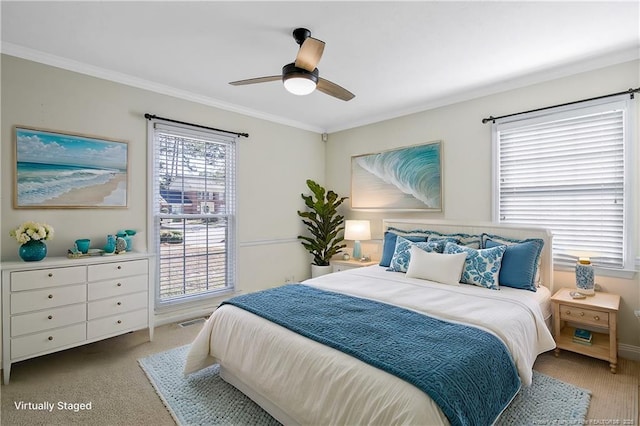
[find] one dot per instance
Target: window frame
(629, 176)
(153, 227)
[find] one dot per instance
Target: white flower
(32, 231)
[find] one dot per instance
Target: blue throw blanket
(468, 372)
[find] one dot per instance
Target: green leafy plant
(323, 222)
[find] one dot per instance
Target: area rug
(203, 398)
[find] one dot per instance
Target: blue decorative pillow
(519, 263)
(389, 246)
(482, 266)
(468, 240)
(402, 253)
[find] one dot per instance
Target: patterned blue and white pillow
(482, 267)
(402, 253)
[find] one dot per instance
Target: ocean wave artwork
(61, 170)
(402, 179)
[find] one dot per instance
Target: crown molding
(139, 83)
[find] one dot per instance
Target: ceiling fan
(302, 77)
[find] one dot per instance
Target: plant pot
(317, 271)
(33, 251)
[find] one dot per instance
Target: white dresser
(59, 303)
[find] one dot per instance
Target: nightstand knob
(597, 318)
(581, 314)
(50, 317)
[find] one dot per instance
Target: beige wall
(274, 163)
(467, 160)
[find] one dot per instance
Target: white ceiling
(397, 57)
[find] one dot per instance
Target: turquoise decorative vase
(33, 251)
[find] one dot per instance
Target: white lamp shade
(357, 230)
(299, 85)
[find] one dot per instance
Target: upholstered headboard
(504, 230)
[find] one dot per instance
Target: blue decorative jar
(585, 279)
(33, 251)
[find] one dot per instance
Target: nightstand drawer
(584, 316)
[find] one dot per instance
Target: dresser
(59, 303)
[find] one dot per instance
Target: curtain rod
(151, 117)
(628, 92)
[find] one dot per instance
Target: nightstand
(343, 265)
(598, 313)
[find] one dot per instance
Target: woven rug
(203, 398)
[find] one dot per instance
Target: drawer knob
(50, 275)
(50, 338)
(597, 318)
(119, 267)
(50, 317)
(119, 303)
(50, 296)
(581, 314)
(119, 322)
(568, 312)
(119, 284)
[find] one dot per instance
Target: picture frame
(402, 179)
(62, 170)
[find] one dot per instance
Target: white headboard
(505, 230)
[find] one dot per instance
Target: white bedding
(314, 384)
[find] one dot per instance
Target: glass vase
(33, 250)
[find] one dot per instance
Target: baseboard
(629, 351)
(182, 315)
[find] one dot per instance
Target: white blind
(566, 172)
(194, 208)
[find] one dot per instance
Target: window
(193, 211)
(566, 169)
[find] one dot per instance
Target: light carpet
(203, 398)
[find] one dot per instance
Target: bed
(303, 378)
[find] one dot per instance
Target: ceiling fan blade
(332, 89)
(256, 80)
(309, 54)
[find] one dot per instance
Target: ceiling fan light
(299, 85)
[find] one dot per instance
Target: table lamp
(357, 230)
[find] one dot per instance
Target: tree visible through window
(194, 212)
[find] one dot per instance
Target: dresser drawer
(47, 341)
(117, 305)
(118, 269)
(584, 316)
(48, 319)
(42, 278)
(117, 324)
(35, 300)
(111, 288)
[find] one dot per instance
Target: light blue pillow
(482, 266)
(519, 263)
(389, 246)
(402, 253)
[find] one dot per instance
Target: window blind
(566, 171)
(194, 210)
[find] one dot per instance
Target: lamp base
(357, 250)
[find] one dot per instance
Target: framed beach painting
(401, 179)
(63, 170)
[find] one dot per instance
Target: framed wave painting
(401, 179)
(61, 170)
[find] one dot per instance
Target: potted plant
(324, 224)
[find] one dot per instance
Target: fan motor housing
(290, 71)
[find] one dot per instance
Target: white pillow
(438, 267)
